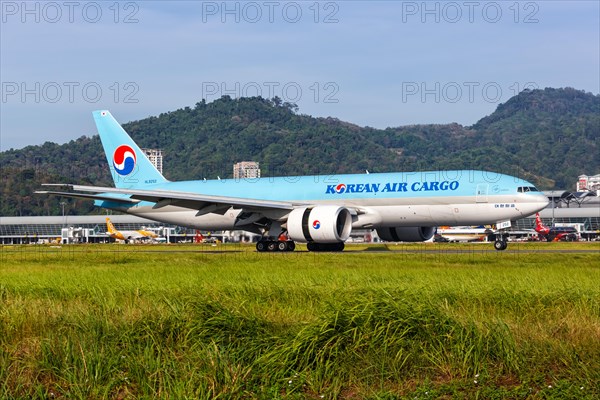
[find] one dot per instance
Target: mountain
(547, 136)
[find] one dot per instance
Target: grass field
(185, 321)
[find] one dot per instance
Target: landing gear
(287, 245)
(261, 246)
(274, 239)
(312, 246)
(501, 242)
(275, 245)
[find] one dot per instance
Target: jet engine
(320, 224)
(406, 233)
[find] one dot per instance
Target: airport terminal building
(70, 229)
(92, 229)
(578, 209)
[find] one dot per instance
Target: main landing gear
(283, 242)
(275, 245)
(289, 245)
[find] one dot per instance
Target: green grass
(114, 321)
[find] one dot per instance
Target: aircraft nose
(542, 199)
(537, 202)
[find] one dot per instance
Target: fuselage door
(482, 192)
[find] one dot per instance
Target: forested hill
(553, 135)
(547, 136)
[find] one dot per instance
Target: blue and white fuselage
(432, 198)
(320, 209)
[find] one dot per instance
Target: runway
(352, 249)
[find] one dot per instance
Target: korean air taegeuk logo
(124, 160)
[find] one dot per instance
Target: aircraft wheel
(282, 246)
(272, 246)
(500, 245)
(291, 246)
(261, 246)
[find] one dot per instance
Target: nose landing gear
(501, 242)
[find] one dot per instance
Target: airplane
(463, 233)
(57, 240)
(555, 233)
(319, 210)
(128, 236)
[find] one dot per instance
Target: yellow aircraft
(128, 236)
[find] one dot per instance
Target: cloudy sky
(379, 64)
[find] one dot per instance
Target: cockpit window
(525, 189)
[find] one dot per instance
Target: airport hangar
(579, 209)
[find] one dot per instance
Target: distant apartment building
(587, 183)
(156, 158)
(246, 169)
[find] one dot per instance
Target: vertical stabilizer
(112, 231)
(129, 166)
(539, 225)
(110, 227)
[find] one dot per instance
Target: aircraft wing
(203, 203)
(90, 196)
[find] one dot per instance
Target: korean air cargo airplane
(319, 210)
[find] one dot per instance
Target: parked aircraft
(318, 210)
(128, 236)
(57, 240)
(555, 233)
(463, 233)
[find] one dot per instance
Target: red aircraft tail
(539, 226)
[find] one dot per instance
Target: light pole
(63, 204)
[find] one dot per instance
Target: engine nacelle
(406, 233)
(320, 224)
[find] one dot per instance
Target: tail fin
(129, 166)
(539, 226)
(110, 227)
(112, 231)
